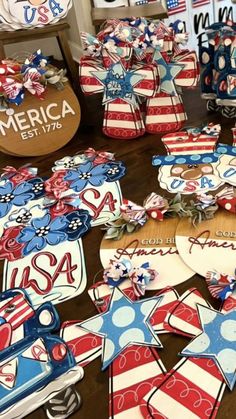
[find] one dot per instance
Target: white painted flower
(69, 162)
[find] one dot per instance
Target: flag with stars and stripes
(198, 3)
(175, 6)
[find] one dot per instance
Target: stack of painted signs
(140, 68)
(26, 14)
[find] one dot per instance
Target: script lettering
(108, 201)
(203, 241)
(132, 249)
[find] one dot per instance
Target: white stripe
(180, 324)
(22, 316)
(18, 309)
(135, 375)
(194, 299)
(113, 123)
(88, 356)
(160, 101)
(201, 378)
(117, 107)
(87, 88)
(180, 143)
(162, 119)
(170, 407)
(134, 413)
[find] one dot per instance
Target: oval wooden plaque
(153, 243)
(209, 246)
(40, 127)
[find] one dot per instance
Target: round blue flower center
(69, 164)
(113, 171)
(42, 231)
(38, 187)
(6, 198)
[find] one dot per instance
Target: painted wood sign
(226, 167)
(39, 127)
(154, 243)
(36, 12)
(55, 274)
(190, 166)
(209, 246)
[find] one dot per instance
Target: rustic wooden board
(153, 243)
(209, 246)
(39, 127)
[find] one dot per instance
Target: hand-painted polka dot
(181, 160)
(131, 336)
(228, 330)
(222, 150)
(228, 206)
(207, 160)
(166, 85)
(227, 360)
(195, 157)
(234, 150)
(162, 70)
(207, 315)
(123, 316)
(170, 158)
(117, 295)
(95, 324)
(109, 350)
(201, 344)
(157, 162)
(148, 306)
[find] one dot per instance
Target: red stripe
(187, 140)
(209, 366)
(188, 394)
(164, 127)
(132, 357)
(82, 345)
(191, 148)
(119, 116)
(164, 110)
(160, 315)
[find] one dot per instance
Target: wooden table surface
(141, 179)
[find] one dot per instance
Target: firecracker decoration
(142, 366)
(199, 378)
(36, 365)
(218, 59)
(139, 67)
(28, 77)
(190, 165)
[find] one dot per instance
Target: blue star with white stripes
(167, 73)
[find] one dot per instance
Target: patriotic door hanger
(190, 166)
(226, 167)
(35, 365)
(140, 365)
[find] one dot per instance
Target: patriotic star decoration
(118, 83)
(217, 341)
(167, 73)
(124, 323)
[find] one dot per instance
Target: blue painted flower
(116, 171)
(42, 232)
(79, 223)
(87, 174)
(9, 196)
(37, 187)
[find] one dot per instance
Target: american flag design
(122, 119)
(16, 310)
(137, 370)
(164, 113)
(184, 143)
(175, 6)
(194, 387)
(190, 75)
(199, 3)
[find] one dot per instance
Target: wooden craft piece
(39, 127)
(226, 167)
(35, 364)
(190, 165)
(210, 245)
(154, 243)
(56, 274)
(110, 3)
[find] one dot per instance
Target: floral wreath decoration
(133, 217)
(32, 76)
(37, 212)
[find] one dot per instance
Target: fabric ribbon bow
(140, 276)
(31, 82)
(154, 206)
(22, 173)
(220, 285)
(62, 205)
(99, 157)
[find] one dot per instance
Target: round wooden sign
(39, 127)
(153, 243)
(209, 246)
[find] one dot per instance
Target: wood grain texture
(141, 179)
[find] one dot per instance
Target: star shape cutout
(167, 73)
(217, 341)
(118, 83)
(124, 323)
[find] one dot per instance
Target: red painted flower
(10, 249)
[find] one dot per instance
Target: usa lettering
(43, 13)
(192, 185)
